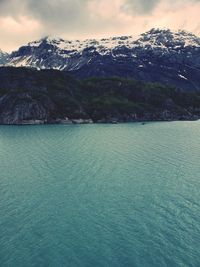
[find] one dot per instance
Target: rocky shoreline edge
(103, 121)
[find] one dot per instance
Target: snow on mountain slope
(77, 45)
(56, 52)
(157, 55)
(169, 40)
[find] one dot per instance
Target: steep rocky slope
(171, 58)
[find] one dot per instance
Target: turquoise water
(100, 195)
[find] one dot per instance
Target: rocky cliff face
(171, 58)
(22, 108)
(29, 96)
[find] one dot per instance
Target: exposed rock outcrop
(22, 108)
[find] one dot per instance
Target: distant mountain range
(163, 56)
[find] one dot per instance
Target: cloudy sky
(22, 21)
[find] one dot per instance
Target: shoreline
(78, 122)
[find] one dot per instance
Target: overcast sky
(22, 21)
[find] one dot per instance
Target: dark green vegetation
(50, 96)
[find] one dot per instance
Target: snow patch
(182, 77)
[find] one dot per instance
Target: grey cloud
(143, 7)
(73, 14)
(73, 18)
(11, 7)
(59, 14)
(140, 6)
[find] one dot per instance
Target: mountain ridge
(158, 55)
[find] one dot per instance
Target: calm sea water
(100, 195)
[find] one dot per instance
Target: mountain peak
(46, 39)
(153, 37)
(156, 55)
(168, 38)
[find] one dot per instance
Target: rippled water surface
(100, 195)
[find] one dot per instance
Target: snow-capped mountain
(60, 54)
(157, 55)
